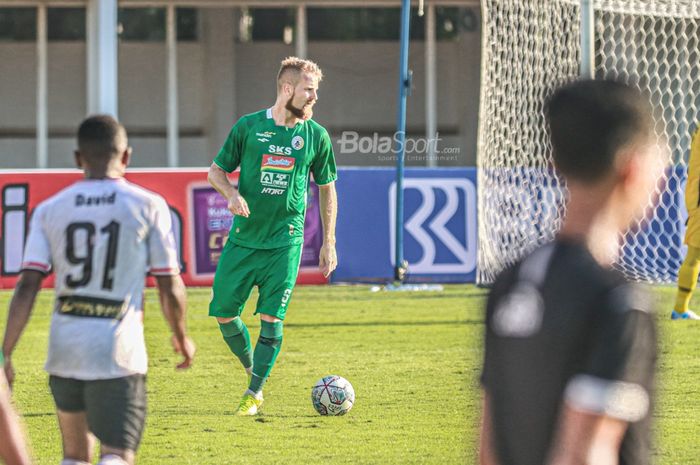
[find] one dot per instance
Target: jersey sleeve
(323, 167)
(37, 252)
(617, 376)
(162, 249)
(229, 156)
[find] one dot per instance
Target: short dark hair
(591, 121)
(101, 137)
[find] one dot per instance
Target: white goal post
(531, 46)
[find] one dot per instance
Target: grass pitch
(413, 359)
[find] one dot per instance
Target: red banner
(200, 219)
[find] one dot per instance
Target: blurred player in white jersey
(100, 236)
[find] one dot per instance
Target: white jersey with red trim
(101, 238)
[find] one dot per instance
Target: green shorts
(274, 271)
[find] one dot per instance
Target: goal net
(530, 47)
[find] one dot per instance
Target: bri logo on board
(440, 224)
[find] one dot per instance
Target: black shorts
(115, 408)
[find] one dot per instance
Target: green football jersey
(275, 163)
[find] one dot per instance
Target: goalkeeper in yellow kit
(688, 272)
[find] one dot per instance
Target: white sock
(73, 462)
(257, 395)
(112, 459)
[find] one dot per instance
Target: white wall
(142, 101)
(17, 85)
(220, 80)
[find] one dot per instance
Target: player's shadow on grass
(395, 295)
(386, 323)
(37, 415)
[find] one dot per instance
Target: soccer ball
(333, 395)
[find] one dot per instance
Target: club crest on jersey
(297, 143)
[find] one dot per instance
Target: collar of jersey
(119, 179)
(269, 116)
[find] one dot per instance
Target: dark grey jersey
(562, 329)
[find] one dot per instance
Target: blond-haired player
(276, 150)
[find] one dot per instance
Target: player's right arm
(163, 265)
(226, 161)
(13, 450)
(171, 291)
(219, 181)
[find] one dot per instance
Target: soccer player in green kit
(276, 149)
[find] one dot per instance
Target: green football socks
(237, 338)
(266, 351)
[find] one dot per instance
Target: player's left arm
(36, 263)
(325, 174)
(585, 438)
(487, 453)
(13, 448)
(18, 316)
(614, 387)
(328, 203)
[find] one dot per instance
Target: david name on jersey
(94, 200)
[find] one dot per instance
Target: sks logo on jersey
(441, 221)
(279, 150)
(275, 173)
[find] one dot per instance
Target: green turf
(413, 359)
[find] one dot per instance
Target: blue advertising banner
(440, 228)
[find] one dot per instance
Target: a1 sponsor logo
(275, 170)
(277, 180)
